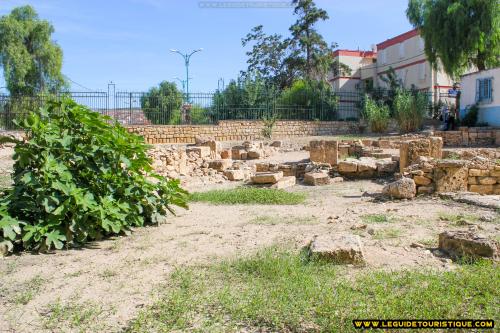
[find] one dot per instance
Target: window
(484, 90)
(421, 71)
(401, 50)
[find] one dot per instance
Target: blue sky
(128, 41)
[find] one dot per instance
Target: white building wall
(489, 112)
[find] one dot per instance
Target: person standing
(445, 113)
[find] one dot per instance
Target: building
(482, 88)
(404, 54)
(342, 80)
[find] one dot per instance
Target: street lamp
(183, 82)
(186, 62)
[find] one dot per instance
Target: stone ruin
(420, 159)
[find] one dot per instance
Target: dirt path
(112, 279)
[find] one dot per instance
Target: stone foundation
(471, 137)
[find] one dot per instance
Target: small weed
(387, 233)
(458, 219)
(27, 290)
(274, 220)
(247, 195)
(453, 156)
(108, 273)
(74, 274)
(378, 218)
(429, 242)
(81, 317)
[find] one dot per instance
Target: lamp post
(183, 82)
(186, 63)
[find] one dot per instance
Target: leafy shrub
(78, 177)
(308, 99)
(198, 116)
(377, 114)
(410, 108)
(470, 118)
(269, 122)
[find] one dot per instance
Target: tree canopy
(458, 33)
(31, 60)
(162, 104)
(303, 55)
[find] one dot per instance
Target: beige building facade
(404, 54)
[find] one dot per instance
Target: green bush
(308, 99)
(377, 114)
(470, 118)
(79, 177)
(410, 108)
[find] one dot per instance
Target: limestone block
(200, 151)
(225, 154)
(472, 181)
(234, 175)
(495, 173)
(451, 179)
(421, 180)
(262, 167)
(288, 170)
(285, 182)
(468, 244)
(338, 249)
(367, 166)
(387, 166)
(267, 177)
(425, 189)
(277, 144)
(481, 189)
(478, 173)
(316, 178)
(487, 180)
(403, 188)
(220, 165)
(254, 154)
(347, 166)
(237, 151)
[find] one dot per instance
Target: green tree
(268, 57)
(459, 33)
(31, 60)
(307, 99)
(303, 55)
(247, 98)
(310, 53)
(161, 104)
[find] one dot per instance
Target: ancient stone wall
(470, 137)
(241, 130)
(478, 175)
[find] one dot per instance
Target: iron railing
(140, 108)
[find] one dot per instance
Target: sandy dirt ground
(119, 275)
(113, 279)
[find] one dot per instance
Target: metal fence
(140, 108)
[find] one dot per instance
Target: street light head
(174, 50)
(200, 49)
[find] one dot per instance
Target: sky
(128, 41)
